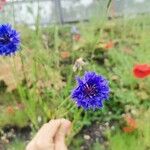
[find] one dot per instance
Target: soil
(95, 133)
(90, 135)
(10, 133)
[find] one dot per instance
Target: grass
(135, 141)
(16, 145)
(39, 79)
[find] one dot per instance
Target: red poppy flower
(141, 71)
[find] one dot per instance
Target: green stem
(68, 111)
(63, 102)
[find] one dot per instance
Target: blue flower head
(74, 30)
(9, 40)
(91, 91)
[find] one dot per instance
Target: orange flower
(10, 110)
(109, 45)
(76, 37)
(128, 129)
(131, 124)
(130, 121)
(64, 54)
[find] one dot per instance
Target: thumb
(60, 135)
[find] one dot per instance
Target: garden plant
(96, 74)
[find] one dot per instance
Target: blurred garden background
(62, 39)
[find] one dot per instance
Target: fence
(63, 11)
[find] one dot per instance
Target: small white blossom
(79, 64)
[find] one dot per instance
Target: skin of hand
(51, 136)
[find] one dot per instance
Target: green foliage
(48, 78)
(16, 145)
(139, 140)
(97, 146)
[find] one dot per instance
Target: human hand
(51, 136)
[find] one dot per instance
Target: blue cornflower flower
(91, 91)
(9, 40)
(74, 30)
